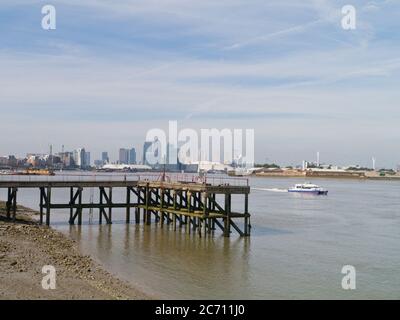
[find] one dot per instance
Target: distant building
(80, 157)
(33, 160)
(98, 163)
(67, 159)
(127, 156)
(132, 156)
(12, 161)
(87, 159)
(123, 156)
(3, 161)
(104, 157)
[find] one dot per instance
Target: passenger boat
(308, 188)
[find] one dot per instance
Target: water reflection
(180, 264)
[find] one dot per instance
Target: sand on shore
(26, 246)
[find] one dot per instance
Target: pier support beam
(77, 196)
(105, 201)
(128, 203)
(109, 221)
(71, 201)
(79, 209)
(137, 215)
(247, 217)
(147, 212)
(41, 203)
(48, 202)
(227, 219)
(11, 204)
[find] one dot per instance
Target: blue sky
(114, 69)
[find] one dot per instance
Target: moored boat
(35, 172)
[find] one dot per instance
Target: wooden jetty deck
(199, 207)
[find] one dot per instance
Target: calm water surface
(298, 246)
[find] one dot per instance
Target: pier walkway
(199, 205)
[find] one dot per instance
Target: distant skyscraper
(132, 156)
(80, 157)
(87, 159)
(123, 156)
(104, 157)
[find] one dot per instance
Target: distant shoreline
(26, 246)
(326, 176)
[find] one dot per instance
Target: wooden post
(188, 226)
(14, 203)
(147, 211)
(227, 219)
(41, 205)
(71, 202)
(80, 206)
(246, 212)
(204, 200)
(8, 203)
(128, 202)
(195, 221)
(189, 201)
(199, 227)
(101, 208)
(161, 207)
(137, 215)
(110, 206)
(48, 201)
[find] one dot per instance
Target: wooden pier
(198, 207)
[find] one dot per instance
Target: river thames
(297, 248)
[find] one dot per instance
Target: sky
(112, 70)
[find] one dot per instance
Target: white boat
(308, 188)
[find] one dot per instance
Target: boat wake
(271, 189)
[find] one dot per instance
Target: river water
(297, 249)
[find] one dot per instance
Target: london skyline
(110, 73)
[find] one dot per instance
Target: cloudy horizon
(112, 70)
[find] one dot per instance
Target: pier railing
(152, 177)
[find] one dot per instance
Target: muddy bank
(25, 247)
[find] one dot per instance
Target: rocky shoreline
(26, 246)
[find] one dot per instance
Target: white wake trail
(270, 189)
